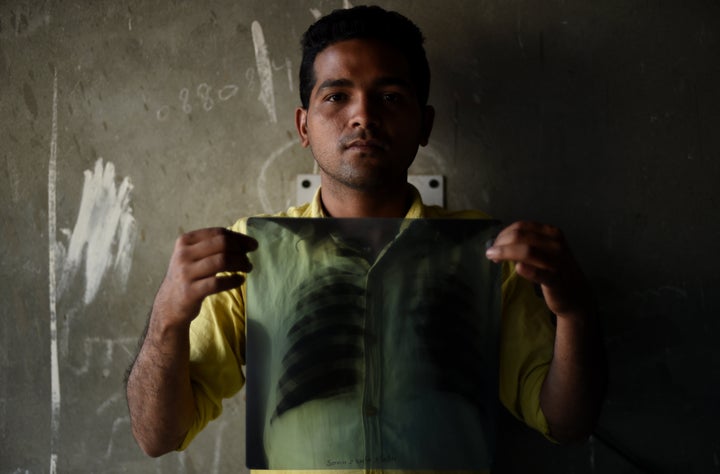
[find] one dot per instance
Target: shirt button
(370, 410)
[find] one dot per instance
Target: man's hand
(574, 388)
(542, 256)
(199, 256)
(159, 391)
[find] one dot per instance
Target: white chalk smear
(317, 14)
(262, 179)
(52, 249)
(183, 464)
(217, 457)
(116, 397)
(289, 68)
(100, 351)
(104, 234)
(116, 427)
(264, 68)
(14, 178)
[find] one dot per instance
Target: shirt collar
(416, 211)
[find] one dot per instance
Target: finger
(198, 245)
(218, 263)
(528, 231)
(534, 243)
(226, 240)
(216, 284)
(199, 235)
(543, 254)
(535, 274)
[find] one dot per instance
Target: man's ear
(301, 125)
(428, 118)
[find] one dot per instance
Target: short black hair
(365, 22)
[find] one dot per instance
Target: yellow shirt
(217, 338)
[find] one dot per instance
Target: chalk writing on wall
(104, 234)
(103, 239)
(262, 59)
(52, 282)
(27, 18)
(205, 96)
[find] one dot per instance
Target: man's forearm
(159, 392)
(574, 389)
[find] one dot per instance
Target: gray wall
(600, 117)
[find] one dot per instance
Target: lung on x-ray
(372, 344)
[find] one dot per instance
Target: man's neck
(365, 203)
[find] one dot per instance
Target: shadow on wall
(596, 119)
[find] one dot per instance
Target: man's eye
(391, 97)
(335, 97)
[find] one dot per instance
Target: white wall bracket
(431, 187)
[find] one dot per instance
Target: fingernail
(492, 252)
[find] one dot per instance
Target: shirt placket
(371, 407)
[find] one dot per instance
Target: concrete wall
(123, 123)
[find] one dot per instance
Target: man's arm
(573, 391)
(159, 392)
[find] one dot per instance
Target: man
(364, 89)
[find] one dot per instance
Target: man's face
(363, 122)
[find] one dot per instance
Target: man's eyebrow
(393, 81)
(382, 81)
(330, 83)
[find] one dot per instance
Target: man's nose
(365, 112)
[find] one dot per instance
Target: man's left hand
(542, 256)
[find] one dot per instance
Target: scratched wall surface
(123, 123)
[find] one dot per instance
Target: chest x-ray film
(372, 344)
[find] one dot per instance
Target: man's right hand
(159, 392)
(195, 270)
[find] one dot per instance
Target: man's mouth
(365, 144)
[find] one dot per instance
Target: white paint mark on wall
(52, 249)
(115, 428)
(264, 68)
(101, 352)
(347, 4)
(183, 462)
(116, 397)
(262, 179)
(13, 176)
(28, 18)
(289, 68)
(315, 13)
(105, 232)
(217, 455)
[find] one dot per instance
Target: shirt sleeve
(526, 349)
(217, 354)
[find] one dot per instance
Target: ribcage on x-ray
(325, 343)
(448, 326)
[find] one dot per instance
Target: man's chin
(373, 182)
